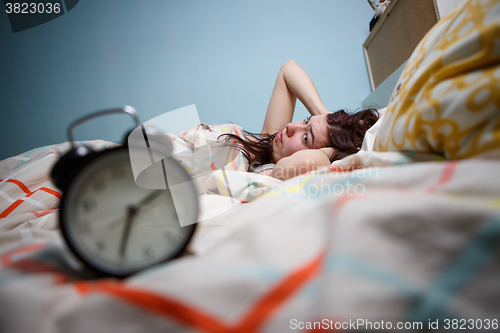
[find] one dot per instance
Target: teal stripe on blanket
(319, 185)
(28, 153)
(462, 269)
(204, 161)
(364, 268)
(407, 156)
(312, 190)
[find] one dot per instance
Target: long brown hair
(345, 131)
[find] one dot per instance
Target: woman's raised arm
(292, 83)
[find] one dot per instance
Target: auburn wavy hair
(346, 132)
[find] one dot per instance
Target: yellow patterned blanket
(447, 100)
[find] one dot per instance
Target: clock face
(119, 228)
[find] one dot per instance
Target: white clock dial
(118, 227)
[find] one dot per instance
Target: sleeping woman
(284, 149)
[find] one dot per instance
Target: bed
(403, 235)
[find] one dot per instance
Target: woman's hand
(301, 162)
(292, 83)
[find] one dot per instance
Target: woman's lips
(280, 136)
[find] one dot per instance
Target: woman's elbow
(289, 63)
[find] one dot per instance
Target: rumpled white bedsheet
(387, 236)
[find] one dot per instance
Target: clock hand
(132, 210)
(147, 199)
(154, 194)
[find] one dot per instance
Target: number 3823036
(470, 324)
(32, 8)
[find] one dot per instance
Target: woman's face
(311, 133)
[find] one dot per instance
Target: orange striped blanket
(412, 240)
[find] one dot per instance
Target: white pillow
(372, 132)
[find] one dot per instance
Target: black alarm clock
(110, 223)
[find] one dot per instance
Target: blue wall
(160, 55)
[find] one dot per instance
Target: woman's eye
(304, 138)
